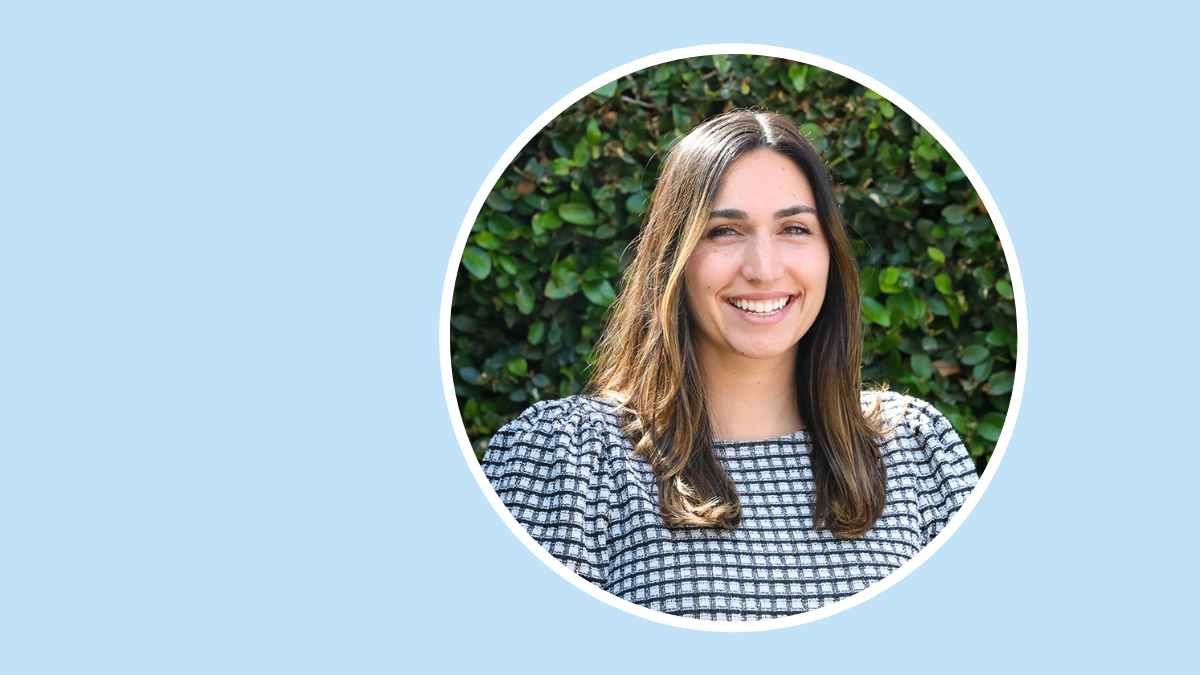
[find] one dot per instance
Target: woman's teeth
(763, 308)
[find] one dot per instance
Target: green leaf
(502, 226)
(546, 221)
(991, 426)
(536, 201)
(524, 299)
(637, 203)
(583, 152)
(813, 133)
(934, 184)
(506, 262)
(936, 254)
(607, 91)
(488, 240)
(499, 203)
(981, 370)
(555, 290)
(593, 133)
(937, 305)
(609, 268)
(536, 332)
(469, 375)
(922, 366)
(1000, 403)
(876, 312)
(984, 276)
(477, 262)
(889, 280)
(1001, 382)
(798, 74)
(943, 283)
(910, 305)
(1004, 288)
(955, 213)
(540, 381)
(885, 107)
(580, 214)
(868, 281)
(599, 292)
(974, 354)
(517, 366)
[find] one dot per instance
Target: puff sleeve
(945, 473)
(549, 468)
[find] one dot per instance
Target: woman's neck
(751, 399)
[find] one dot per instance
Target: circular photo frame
(540, 253)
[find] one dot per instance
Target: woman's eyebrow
(730, 214)
(794, 211)
(738, 214)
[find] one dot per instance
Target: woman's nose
(762, 261)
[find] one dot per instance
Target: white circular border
(1009, 419)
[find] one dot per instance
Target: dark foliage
(545, 253)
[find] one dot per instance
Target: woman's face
(756, 279)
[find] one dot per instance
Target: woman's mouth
(761, 307)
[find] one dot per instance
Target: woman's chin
(765, 352)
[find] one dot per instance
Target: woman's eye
(721, 231)
(796, 228)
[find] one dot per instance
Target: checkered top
(569, 477)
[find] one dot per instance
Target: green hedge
(545, 254)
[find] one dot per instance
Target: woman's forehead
(763, 181)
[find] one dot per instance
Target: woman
(728, 465)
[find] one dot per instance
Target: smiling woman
(727, 464)
(755, 283)
(762, 261)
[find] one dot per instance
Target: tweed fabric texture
(568, 475)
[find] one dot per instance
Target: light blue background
(225, 446)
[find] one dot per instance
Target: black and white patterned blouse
(568, 475)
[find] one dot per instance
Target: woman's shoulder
(924, 453)
(550, 467)
(895, 408)
(916, 434)
(572, 413)
(559, 429)
(910, 423)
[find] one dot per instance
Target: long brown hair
(647, 361)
